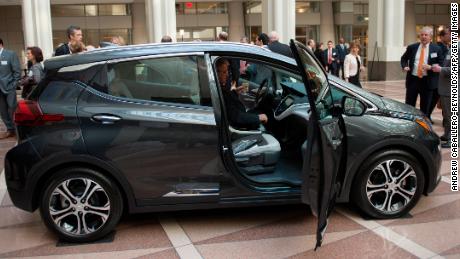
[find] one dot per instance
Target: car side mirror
(353, 107)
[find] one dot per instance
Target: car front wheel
(389, 185)
(81, 205)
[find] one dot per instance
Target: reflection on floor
(269, 232)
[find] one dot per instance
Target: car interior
(274, 152)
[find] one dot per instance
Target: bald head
(273, 36)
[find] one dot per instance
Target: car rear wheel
(389, 185)
(81, 205)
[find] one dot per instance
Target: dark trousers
(419, 86)
(8, 104)
(434, 101)
(333, 69)
(342, 69)
(446, 114)
(355, 80)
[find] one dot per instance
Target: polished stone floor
(432, 229)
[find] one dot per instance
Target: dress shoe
(7, 134)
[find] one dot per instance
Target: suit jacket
(10, 71)
(280, 48)
(319, 55)
(434, 57)
(444, 49)
(238, 117)
(444, 82)
(335, 56)
(341, 52)
(62, 50)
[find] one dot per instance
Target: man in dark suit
(444, 45)
(277, 46)
(10, 73)
(444, 90)
(420, 79)
(74, 34)
(237, 115)
(342, 51)
(330, 58)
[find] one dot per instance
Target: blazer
(341, 52)
(62, 50)
(434, 57)
(10, 71)
(350, 66)
(238, 117)
(280, 48)
(444, 83)
(334, 56)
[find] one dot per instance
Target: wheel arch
(352, 172)
(41, 178)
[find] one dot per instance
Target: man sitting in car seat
(238, 117)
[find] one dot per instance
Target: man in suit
(342, 51)
(74, 35)
(277, 46)
(417, 62)
(237, 115)
(311, 45)
(330, 58)
(10, 73)
(444, 45)
(444, 87)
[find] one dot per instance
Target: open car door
(324, 159)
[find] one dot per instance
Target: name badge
(434, 55)
(4, 62)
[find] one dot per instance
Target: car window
(170, 79)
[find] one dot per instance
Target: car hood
(384, 104)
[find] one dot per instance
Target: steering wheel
(261, 92)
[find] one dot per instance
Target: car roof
(132, 51)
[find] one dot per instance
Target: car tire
(81, 205)
(385, 196)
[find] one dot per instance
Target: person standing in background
(444, 87)
(444, 45)
(417, 62)
(330, 59)
(353, 65)
(319, 54)
(36, 72)
(74, 35)
(10, 73)
(311, 45)
(342, 51)
(278, 47)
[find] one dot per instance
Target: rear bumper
(18, 163)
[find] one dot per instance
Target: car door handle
(105, 118)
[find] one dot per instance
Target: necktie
(420, 62)
(329, 56)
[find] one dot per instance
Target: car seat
(256, 153)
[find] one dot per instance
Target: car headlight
(425, 123)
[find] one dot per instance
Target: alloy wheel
(79, 206)
(391, 186)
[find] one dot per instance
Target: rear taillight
(28, 113)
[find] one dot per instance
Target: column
(279, 16)
(410, 35)
(235, 20)
(326, 28)
(161, 19)
(386, 39)
(36, 17)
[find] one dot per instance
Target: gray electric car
(146, 128)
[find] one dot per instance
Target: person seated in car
(238, 117)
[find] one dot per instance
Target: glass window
(211, 8)
(429, 9)
(173, 80)
(205, 34)
(253, 32)
(179, 8)
(113, 9)
(253, 7)
(91, 10)
(420, 9)
(67, 10)
(441, 9)
(190, 8)
(304, 33)
(306, 7)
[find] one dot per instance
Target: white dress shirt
(417, 58)
(350, 66)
